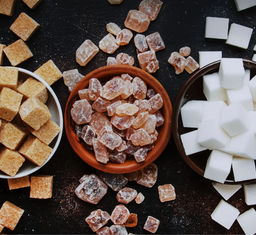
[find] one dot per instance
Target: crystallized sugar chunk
(225, 214)
(108, 44)
(113, 28)
(148, 176)
(191, 65)
(119, 215)
(140, 43)
(250, 194)
(123, 37)
(137, 21)
(123, 58)
(242, 5)
(115, 181)
(100, 105)
(118, 229)
(97, 219)
(131, 221)
(155, 42)
(81, 112)
(148, 61)
(243, 169)
(151, 8)
(226, 190)
(71, 78)
(177, 61)
(207, 57)
(126, 195)
(111, 60)
(100, 151)
(98, 121)
(216, 27)
(247, 220)
(151, 225)
(103, 231)
(113, 88)
(115, 1)
(139, 198)
(239, 36)
(166, 192)
(185, 51)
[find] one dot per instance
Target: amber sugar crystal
(123, 58)
(126, 195)
(191, 65)
(178, 62)
(119, 215)
(131, 221)
(113, 28)
(155, 42)
(140, 43)
(97, 219)
(123, 37)
(81, 112)
(151, 225)
(148, 61)
(108, 44)
(151, 8)
(137, 21)
(148, 175)
(166, 192)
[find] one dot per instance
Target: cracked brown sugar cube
(34, 113)
(17, 183)
(166, 192)
(10, 161)
(33, 88)
(151, 225)
(155, 42)
(2, 46)
(24, 26)
(9, 77)
(17, 52)
(35, 150)
(97, 219)
(31, 3)
(49, 72)
(6, 7)
(10, 102)
(41, 187)
(191, 65)
(137, 21)
(151, 8)
(10, 215)
(108, 44)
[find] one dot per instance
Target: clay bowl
(193, 90)
(130, 165)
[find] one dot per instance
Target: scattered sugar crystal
(119, 215)
(150, 125)
(117, 157)
(140, 43)
(113, 88)
(143, 105)
(159, 118)
(128, 89)
(137, 21)
(108, 44)
(131, 149)
(100, 151)
(151, 92)
(126, 109)
(124, 37)
(151, 8)
(132, 176)
(141, 118)
(156, 103)
(111, 140)
(139, 88)
(140, 137)
(123, 122)
(115, 181)
(95, 88)
(115, 1)
(185, 51)
(123, 146)
(126, 76)
(86, 52)
(98, 121)
(166, 192)
(92, 189)
(103, 231)
(155, 42)
(81, 112)
(118, 230)
(84, 94)
(148, 175)
(123, 58)
(177, 61)
(87, 134)
(76, 78)
(247, 221)
(100, 105)
(140, 198)
(191, 65)
(97, 219)
(141, 154)
(151, 225)
(111, 60)
(126, 195)
(146, 58)
(113, 28)
(132, 220)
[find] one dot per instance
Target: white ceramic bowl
(55, 109)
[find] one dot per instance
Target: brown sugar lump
(34, 113)
(41, 187)
(6, 7)
(17, 183)
(124, 37)
(10, 101)
(12, 136)
(139, 198)
(31, 3)
(177, 61)
(151, 8)
(10, 161)
(115, 1)
(131, 221)
(97, 219)
(24, 26)
(47, 132)
(185, 51)
(49, 72)
(137, 21)
(155, 42)
(108, 44)
(86, 52)
(35, 150)
(33, 88)
(148, 61)
(9, 77)
(191, 65)
(17, 52)
(140, 43)
(151, 225)
(2, 46)
(166, 193)
(10, 215)
(113, 28)
(148, 176)
(126, 195)
(120, 214)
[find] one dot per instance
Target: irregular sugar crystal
(111, 109)
(123, 122)
(113, 28)
(119, 215)
(141, 118)
(98, 121)
(191, 65)
(143, 105)
(108, 44)
(86, 52)
(121, 133)
(126, 109)
(151, 225)
(69, 75)
(140, 43)
(83, 178)
(111, 140)
(126, 76)
(100, 105)
(131, 149)
(123, 58)
(128, 89)
(139, 88)
(177, 61)
(100, 151)
(84, 94)
(159, 118)
(131, 221)
(87, 134)
(115, 1)
(140, 198)
(113, 88)
(117, 157)
(185, 51)
(154, 136)
(152, 66)
(92, 189)
(166, 192)
(123, 146)
(78, 130)
(118, 230)
(95, 88)
(129, 132)
(81, 112)
(111, 60)
(148, 61)
(105, 129)
(76, 78)
(151, 8)
(97, 219)
(141, 154)
(148, 176)
(126, 195)
(103, 231)
(115, 181)
(150, 125)
(155, 42)
(151, 92)
(124, 37)
(156, 103)
(137, 21)
(140, 137)
(132, 176)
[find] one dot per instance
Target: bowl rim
(117, 167)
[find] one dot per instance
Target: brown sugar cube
(17, 183)
(11, 136)
(6, 7)
(41, 187)
(2, 46)
(33, 88)
(166, 193)
(31, 3)
(151, 225)
(17, 52)
(35, 150)
(10, 161)
(34, 113)
(9, 77)
(10, 101)
(24, 26)
(10, 215)
(47, 132)
(49, 72)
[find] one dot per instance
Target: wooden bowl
(193, 90)
(130, 165)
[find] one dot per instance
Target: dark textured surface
(64, 25)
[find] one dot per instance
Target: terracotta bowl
(130, 165)
(193, 90)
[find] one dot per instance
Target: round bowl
(130, 165)
(56, 115)
(193, 90)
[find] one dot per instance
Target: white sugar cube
(250, 194)
(231, 72)
(218, 166)
(242, 96)
(247, 221)
(252, 121)
(226, 190)
(244, 4)
(216, 27)
(212, 88)
(254, 57)
(207, 57)
(211, 135)
(252, 88)
(247, 76)
(243, 169)
(191, 113)
(225, 214)
(190, 144)
(212, 109)
(234, 119)
(239, 36)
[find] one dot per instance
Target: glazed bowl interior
(104, 74)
